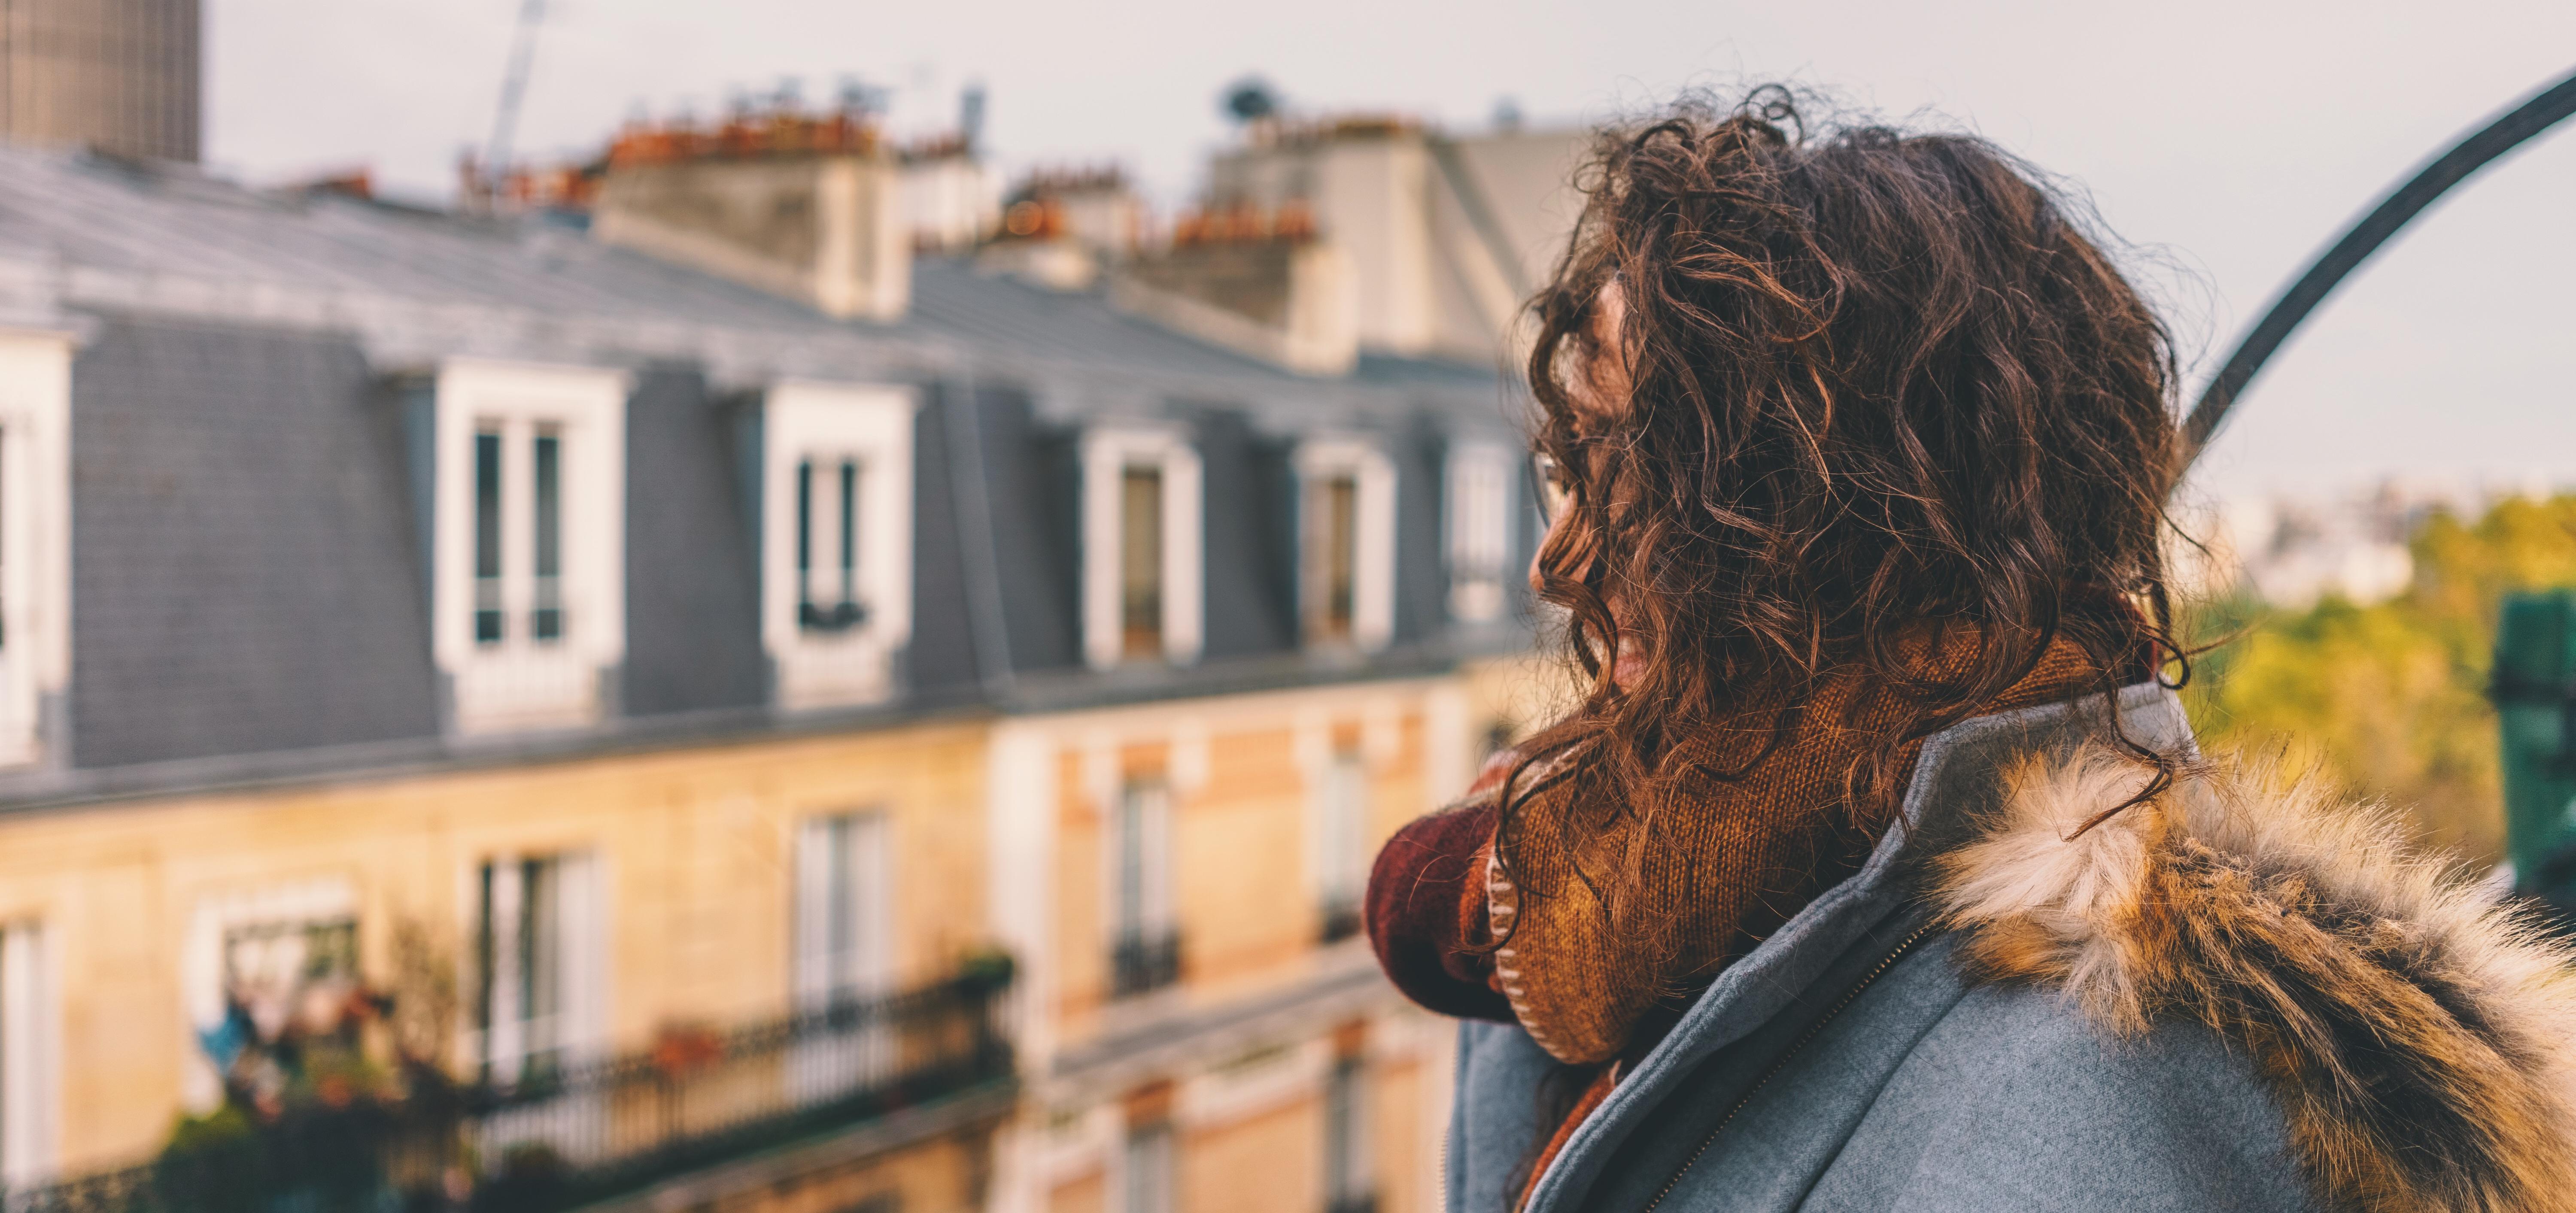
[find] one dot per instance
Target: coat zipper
(1884, 963)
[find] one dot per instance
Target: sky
(2222, 141)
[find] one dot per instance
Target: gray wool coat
(1817, 1074)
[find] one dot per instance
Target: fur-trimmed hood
(2420, 1040)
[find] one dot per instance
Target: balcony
(616, 1126)
(1144, 961)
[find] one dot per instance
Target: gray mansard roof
(249, 576)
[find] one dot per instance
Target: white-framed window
(1479, 526)
(1341, 842)
(1346, 544)
(836, 539)
(844, 908)
(844, 961)
(256, 962)
(539, 965)
(1144, 935)
(30, 1036)
(1147, 1171)
(35, 535)
(1349, 1185)
(1141, 558)
(528, 572)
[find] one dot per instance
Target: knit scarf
(1743, 841)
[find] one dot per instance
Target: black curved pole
(2357, 244)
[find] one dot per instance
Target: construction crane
(514, 86)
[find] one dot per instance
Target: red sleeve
(1426, 912)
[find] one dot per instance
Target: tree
(2390, 698)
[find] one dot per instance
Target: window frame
(1340, 831)
(519, 680)
(1322, 461)
(1107, 454)
(31, 1033)
(495, 884)
(1478, 532)
(1140, 872)
(859, 844)
(35, 535)
(845, 658)
(1349, 1178)
(213, 922)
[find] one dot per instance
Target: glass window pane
(487, 537)
(806, 616)
(1131, 861)
(849, 533)
(546, 622)
(1334, 557)
(1140, 561)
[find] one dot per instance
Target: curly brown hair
(1848, 391)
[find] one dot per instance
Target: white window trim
(1361, 1177)
(201, 959)
(1339, 845)
(35, 535)
(587, 915)
(872, 874)
(1373, 581)
(1106, 454)
(31, 1033)
(872, 424)
(518, 683)
(849, 1056)
(1124, 1179)
(1158, 911)
(1477, 469)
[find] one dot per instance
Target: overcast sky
(2224, 141)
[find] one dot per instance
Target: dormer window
(529, 541)
(1346, 541)
(35, 535)
(836, 522)
(1140, 543)
(1479, 530)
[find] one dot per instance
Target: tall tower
(122, 76)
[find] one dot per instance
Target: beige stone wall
(696, 849)
(1259, 1148)
(1247, 1108)
(1408, 1111)
(943, 1175)
(1243, 880)
(1272, 1162)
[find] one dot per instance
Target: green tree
(2390, 698)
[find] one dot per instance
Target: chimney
(1366, 180)
(1259, 283)
(805, 206)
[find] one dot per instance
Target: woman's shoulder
(2244, 945)
(2014, 1100)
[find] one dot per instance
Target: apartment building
(764, 735)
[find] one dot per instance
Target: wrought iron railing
(592, 1131)
(1143, 961)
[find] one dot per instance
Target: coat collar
(2419, 1038)
(1956, 778)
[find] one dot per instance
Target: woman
(1875, 870)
